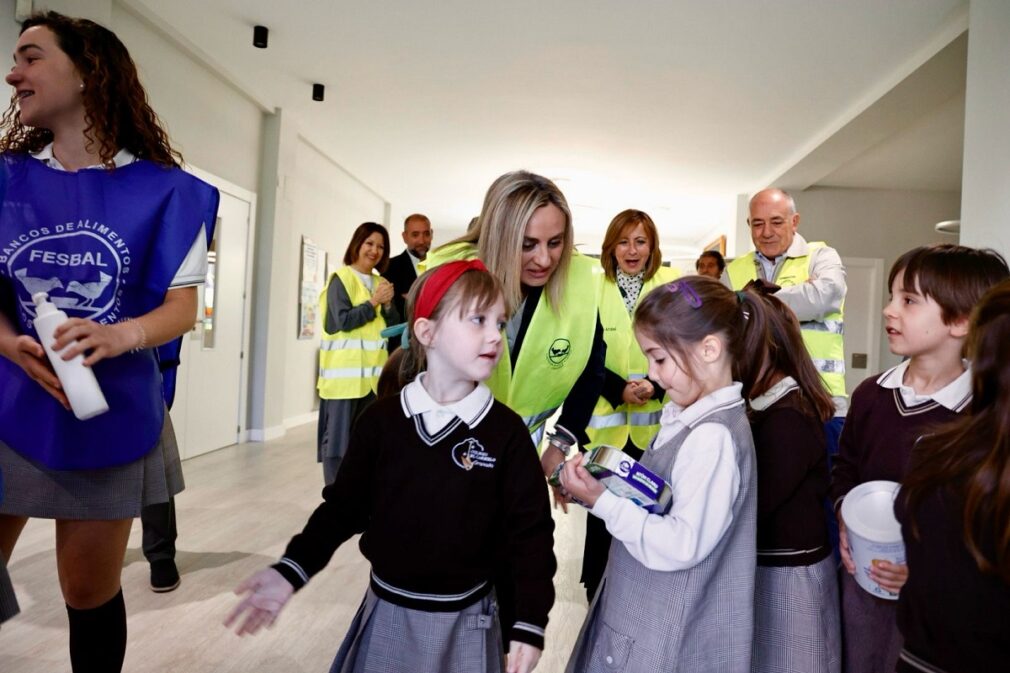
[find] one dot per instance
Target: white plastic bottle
(79, 382)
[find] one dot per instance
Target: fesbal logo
(80, 265)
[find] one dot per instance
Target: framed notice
(310, 284)
(718, 245)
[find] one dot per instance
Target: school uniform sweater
(792, 477)
(953, 617)
(884, 422)
(439, 504)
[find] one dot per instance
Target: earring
(82, 86)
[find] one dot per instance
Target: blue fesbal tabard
(105, 245)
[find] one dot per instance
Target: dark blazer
(401, 274)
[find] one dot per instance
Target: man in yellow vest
(812, 282)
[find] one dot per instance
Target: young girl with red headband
(440, 482)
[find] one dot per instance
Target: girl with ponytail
(678, 591)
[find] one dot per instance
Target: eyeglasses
(690, 296)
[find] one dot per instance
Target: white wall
(875, 223)
(328, 204)
(214, 126)
(985, 214)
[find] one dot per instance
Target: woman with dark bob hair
(98, 214)
(355, 305)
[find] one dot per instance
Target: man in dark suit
(402, 269)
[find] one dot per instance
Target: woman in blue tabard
(98, 214)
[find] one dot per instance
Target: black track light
(318, 91)
(260, 34)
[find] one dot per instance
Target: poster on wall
(332, 264)
(310, 285)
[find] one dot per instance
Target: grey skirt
(386, 638)
(8, 602)
(34, 490)
(870, 627)
(336, 417)
(796, 619)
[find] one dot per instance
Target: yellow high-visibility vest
(626, 359)
(556, 346)
(823, 338)
(350, 362)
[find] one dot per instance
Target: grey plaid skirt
(386, 638)
(34, 490)
(796, 619)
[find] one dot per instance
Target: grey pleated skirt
(34, 490)
(8, 602)
(386, 638)
(796, 619)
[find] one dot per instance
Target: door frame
(873, 324)
(242, 194)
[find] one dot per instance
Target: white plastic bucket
(874, 533)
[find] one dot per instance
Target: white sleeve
(705, 480)
(823, 293)
(193, 270)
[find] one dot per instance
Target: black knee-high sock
(98, 637)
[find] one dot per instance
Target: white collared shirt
(193, 270)
(774, 394)
(954, 396)
(414, 262)
(471, 409)
(705, 481)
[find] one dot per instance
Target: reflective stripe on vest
(640, 423)
(823, 338)
(337, 344)
(556, 346)
(350, 362)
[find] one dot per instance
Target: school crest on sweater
(469, 454)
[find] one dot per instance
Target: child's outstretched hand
(843, 546)
(522, 658)
(268, 593)
(577, 482)
(890, 576)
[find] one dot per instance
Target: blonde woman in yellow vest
(354, 306)
(556, 350)
(628, 410)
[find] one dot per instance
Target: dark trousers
(158, 523)
(833, 432)
(596, 550)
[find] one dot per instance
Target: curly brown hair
(116, 111)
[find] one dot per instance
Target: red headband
(438, 284)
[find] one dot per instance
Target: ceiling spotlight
(260, 34)
(318, 91)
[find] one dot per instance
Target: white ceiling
(674, 107)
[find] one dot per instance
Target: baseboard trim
(301, 419)
(266, 434)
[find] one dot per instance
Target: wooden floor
(239, 509)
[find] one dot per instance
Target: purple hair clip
(690, 295)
